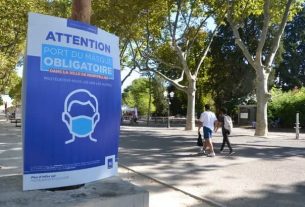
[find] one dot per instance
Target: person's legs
(210, 144)
(228, 142)
(207, 134)
(205, 146)
(223, 141)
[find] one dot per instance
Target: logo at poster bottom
(81, 114)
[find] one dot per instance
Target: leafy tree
(178, 102)
(284, 107)
(230, 79)
(159, 100)
(127, 19)
(137, 95)
(275, 14)
(13, 24)
(13, 18)
(58, 8)
(159, 36)
(15, 89)
(171, 53)
(291, 71)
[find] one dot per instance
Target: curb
(206, 200)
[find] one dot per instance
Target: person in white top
(208, 121)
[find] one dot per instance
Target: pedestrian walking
(225, 122)
(208, 121)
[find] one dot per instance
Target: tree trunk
(190, 118)
(81, 10)
(149, 102)
(262, 96)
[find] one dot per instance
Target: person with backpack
(226, 126)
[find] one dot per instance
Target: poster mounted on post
(71, 102)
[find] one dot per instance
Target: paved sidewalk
(159, 195)
(10, 149)
(263, 172)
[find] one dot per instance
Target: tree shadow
(149, 147)
(273, 195)
(159, 151)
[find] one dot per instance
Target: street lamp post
(168, 97)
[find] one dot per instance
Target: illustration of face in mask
(82, 125)
(81, 114)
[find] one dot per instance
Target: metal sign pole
(297, 126)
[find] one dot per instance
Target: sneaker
(212, 154)
(231, 152)
(202, 151)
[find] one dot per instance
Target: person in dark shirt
(225, 132)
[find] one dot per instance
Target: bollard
(297, 126)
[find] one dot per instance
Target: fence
(159, 121)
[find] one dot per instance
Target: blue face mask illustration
(80, 125)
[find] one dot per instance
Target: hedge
(285, 105)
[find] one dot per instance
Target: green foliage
(158, 97)
(245, 8)
(7, 65)
(230, 80)
(291, 71)
(13, 26)
(285, 105)
(128, 19)
(178, 105)
(168, 37)
(58, 8)
(15, 89)
(137, 95)
(203, 98)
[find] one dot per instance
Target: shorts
(207, 133)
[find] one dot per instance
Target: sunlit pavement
(160, 195)
(10, 149)
(263, 171)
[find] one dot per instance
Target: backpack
(228, 124)
(199, 140)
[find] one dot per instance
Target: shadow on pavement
(159, 151)
(274, 195)
(147, 147)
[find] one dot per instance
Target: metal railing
(153, 121)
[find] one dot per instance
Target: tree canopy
(174, 40)
(13, 26)
(230, 79)
(275, 16)
(137, 95)
(290, 73)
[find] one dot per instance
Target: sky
(19, 71)
(6, 99)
